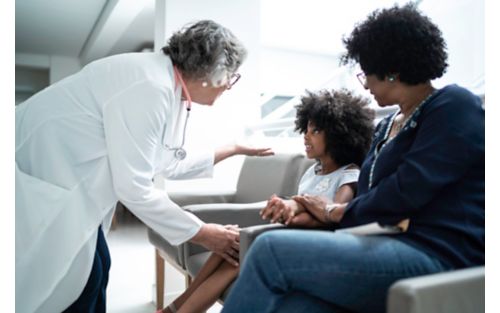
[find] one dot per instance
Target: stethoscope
(180, 152)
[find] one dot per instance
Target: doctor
(100, 136)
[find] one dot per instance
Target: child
(337, 128)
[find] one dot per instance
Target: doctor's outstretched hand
(236, 149)
(250, 151)
(223, 240)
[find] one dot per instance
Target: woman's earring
(391, 78)
(204, 84)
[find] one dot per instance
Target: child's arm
(317, 205)
(345, 193)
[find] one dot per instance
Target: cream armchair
(258, 180)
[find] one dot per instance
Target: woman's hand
(280, 210)
(223, 240)
(316, 205)
(305, 219)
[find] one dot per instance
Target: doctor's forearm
(224, 152)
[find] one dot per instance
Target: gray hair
(206, 50)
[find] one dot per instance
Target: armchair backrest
(260, 177)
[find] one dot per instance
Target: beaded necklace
(409, 120)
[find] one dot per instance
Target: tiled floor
(131, 285)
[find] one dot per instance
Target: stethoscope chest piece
(180, 154)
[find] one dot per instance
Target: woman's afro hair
(398, 40)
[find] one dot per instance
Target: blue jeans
(93, 297)
(322, 271)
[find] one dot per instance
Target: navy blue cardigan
(433, 173)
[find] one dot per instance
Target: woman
(101, 136)
(337, 130)
(426, 164)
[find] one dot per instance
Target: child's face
(314, 140)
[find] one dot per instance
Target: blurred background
(293, 45)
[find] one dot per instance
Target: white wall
(61, 67)
(462, 24)
(290, 72)
(36, 71)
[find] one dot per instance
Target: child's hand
(271, 207)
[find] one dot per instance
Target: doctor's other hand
(227, 151)
(223, 240)
(251, 151)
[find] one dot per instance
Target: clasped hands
(302, 211)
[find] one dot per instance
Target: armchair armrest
(459, 291)
(243, 214)
(190, 198)
(248, 235)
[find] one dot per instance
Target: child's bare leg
(210, 266)
(209, 291)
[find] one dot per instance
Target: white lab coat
(82, 144)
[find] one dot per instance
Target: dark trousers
(93, 297)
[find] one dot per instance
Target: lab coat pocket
(37, 204)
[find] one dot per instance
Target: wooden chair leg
(187, 280)
(114, 222)
(160, 280)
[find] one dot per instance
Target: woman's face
(384, 91)
(314, 140)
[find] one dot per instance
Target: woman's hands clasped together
(288, 212)
(302, 211)
(317, 207)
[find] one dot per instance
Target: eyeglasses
(362, 78)
(233, 80)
